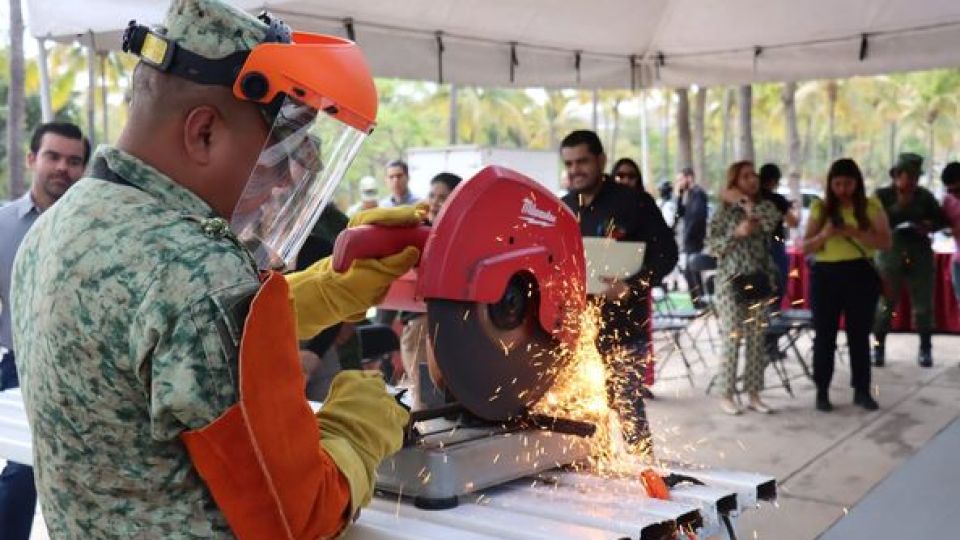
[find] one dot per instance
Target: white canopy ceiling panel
(69, 20)
(673, 42)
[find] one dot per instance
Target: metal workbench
(551, 505)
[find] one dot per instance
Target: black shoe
(865, 400)
(645, 393)
(925, 359)
(823, 402)
(879, 357)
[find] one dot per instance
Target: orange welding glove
(360, 424)
(322, 297)
(262, 460)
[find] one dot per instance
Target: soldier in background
(913, 213)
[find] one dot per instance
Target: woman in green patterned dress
(738, 236)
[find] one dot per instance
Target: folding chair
(672, 329)
(709, 278)
(775, 358)
(674, 316)
(791, 325)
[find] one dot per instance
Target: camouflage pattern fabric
(739, 321)
(212, 28)
(909, 262)
(126, 328)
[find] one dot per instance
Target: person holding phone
(843, 234)
(737, 235)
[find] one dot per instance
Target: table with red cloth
(945, 309)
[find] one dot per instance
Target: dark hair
(401, 164)
(951, 173)
(831, 208)
(666, 190)
(583, 136)
(688, 171)
(449, 179)
(769, 173)
(63, 129)
(629, 162)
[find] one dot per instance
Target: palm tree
(616, 97)
(16, 105)
(665, 132)
(745, 106)
(833, 90)
(66, 63)
(726, 110)
(684, 141)
(766, 117)
(938, 99)
(699, 137)
(454, 115)
(884, 98)
(549, 118)
(793, 138)
(555, 113)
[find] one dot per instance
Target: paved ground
(824, 462)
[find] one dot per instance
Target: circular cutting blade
(495, 359)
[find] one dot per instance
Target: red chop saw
(501, 277)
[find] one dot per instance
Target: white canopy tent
(601, 44)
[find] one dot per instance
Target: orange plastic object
(654, 485)
(262, 459)
(327, 73)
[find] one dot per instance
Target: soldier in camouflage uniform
(913, 213)
(129, 304)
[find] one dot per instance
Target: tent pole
(104, 118)
(91, 89)
(46, 108)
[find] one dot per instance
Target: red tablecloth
(945, 309)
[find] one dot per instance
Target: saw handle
(375, 242)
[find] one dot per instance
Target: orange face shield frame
(324, 72)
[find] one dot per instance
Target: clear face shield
(305, 155)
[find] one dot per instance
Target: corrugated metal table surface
(552, 505)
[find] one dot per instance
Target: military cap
(909, 163)
(212, 28)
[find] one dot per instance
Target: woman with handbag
(843, 234)
(746, 281)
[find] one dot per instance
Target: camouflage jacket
(742, 255)
(126, 332)
(924, 209)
